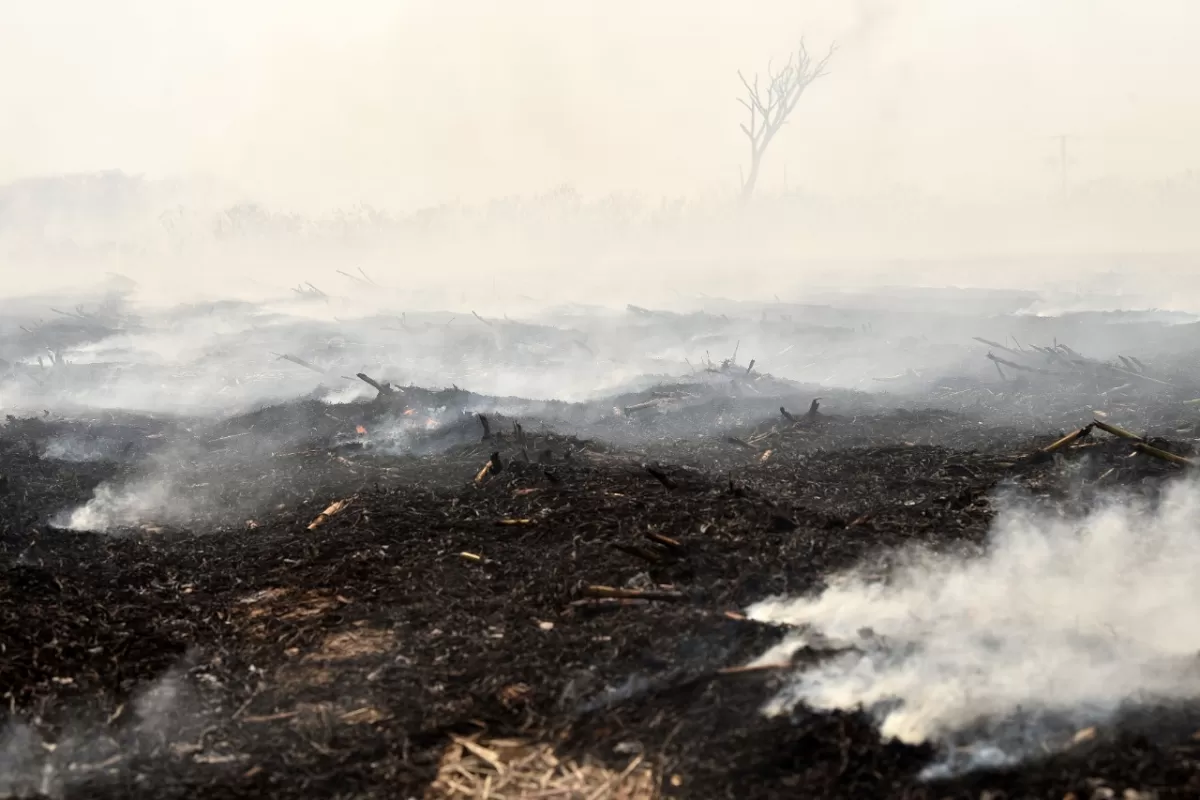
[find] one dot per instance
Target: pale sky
(319, 103)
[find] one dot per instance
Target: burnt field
(391, 586)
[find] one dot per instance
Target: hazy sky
(402, 102)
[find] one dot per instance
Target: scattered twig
(334, 508)
(1115, 431)
(382, 388)
(996, 345)
(1070, 438)
(665, 541)
(354, 278)
(613, 593)
(1137, 375)
(1019, 367)
(300, 361)
(640, 406)
(1149, 450)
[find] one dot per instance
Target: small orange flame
(430, 422)
(408, 412)
(361, 430)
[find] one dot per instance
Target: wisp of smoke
(31, 766)
(114, 506)
(1060, 619)
(76, 449)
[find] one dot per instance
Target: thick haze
(314, 103)
(934, 136)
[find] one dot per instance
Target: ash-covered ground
(906, 545)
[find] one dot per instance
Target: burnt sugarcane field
(623, 400)
(736, 550)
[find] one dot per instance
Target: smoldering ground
(211, 373)
(57, 753)
(333, 539)
(1062, 623)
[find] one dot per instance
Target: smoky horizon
(593, 150)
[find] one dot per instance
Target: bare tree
(769, 111)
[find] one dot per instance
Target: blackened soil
(254, 655)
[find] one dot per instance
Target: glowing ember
(361, 430)
(430, 422)
(408, 412)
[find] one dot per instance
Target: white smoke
(114, 506)
(351, 393)
(77, 449)
(31, 765)
(1064, 619)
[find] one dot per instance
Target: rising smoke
(35, 764)
(1062, 623)
(78, 449)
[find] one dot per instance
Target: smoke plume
(32, 764)
(1061, 619)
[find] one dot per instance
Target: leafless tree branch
(769, 111)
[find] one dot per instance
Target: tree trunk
(752, 177)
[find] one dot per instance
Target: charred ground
(340, 615)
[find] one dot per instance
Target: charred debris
(439, 593)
